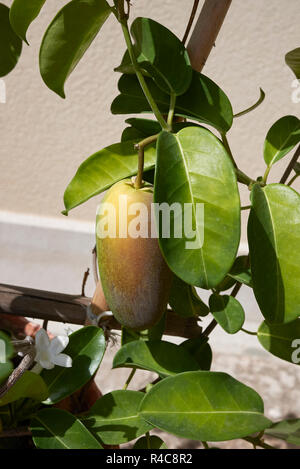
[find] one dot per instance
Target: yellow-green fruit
(135, 278)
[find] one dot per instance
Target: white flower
(48, 353)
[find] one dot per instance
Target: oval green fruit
(135, 278)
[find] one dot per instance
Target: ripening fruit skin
(135, 278)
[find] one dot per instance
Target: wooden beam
(38, 304)
(206, 31)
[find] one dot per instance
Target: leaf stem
(140, 77)
(205, 444)
(266, 175)
(227, 146)
(141, 158)
(171, 109)
(129, 379)
(241, 177)
(290, 167)
(248, 332)
(191, 20)
(246, 207)
(257, 442)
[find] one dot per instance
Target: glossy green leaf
(155, 333)
(6, 352)
(58, 429)
(206, 406)
(240, 272)
(185, 301)
(29, 385)
(194, 168)
(204, 101)
(282, 340)
(130, 133)
(103, 169)
(10, 43)
(163, 358)
(86, 348)
(68, 37)
(281, 139)
(228, 312)
(146, 126)
(162, 55)
(287, 430)
(274, 237)
(200, 349)
(150, 442)
(22, 14)
(292, 59)
(115, 419)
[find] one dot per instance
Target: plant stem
(267, 172)
(247, 207)
(293, 179)
(141, 149)
(140, 76)
(148, 440)
(227, 146)
(129, 378)
(205, 444)
(258, 442)
(171, 110)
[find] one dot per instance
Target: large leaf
(185, 301)
(282, 137)
(164, 358)
(200, 349)
(6, 351)
(292, 59)
(29, 385)
(162, 55)
(22, 14)
(68, 37)
(10, 43)
(282, 340)
(115, 418)
(86, 348)
(228, 312)
(58, 429)
(101, 170)
(287, 430)
(195, 173)
(206, 406)
(274, 237)
(204, 101)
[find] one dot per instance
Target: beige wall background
(44, 138)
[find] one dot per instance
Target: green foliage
(22, 14)
(10, 43)
(68, 37)
(239, 272)
(215, 407)
(287, 430)
(58, 429)
(200, 349)
(185, 301)
(292, 59)
(29, 385)
(204, 101)
(273, 234)
(228, 312)
(281, 139)
(101, 170)
(163, 358)
(86, 348)
(194, 168)
(150, 442)
(282, 340)
(115, 418)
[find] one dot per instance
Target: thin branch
(95, 266)
(84, 280)
(18, 372)
(254, 106)
(140, 147)
(191, 20)
(290, 167)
